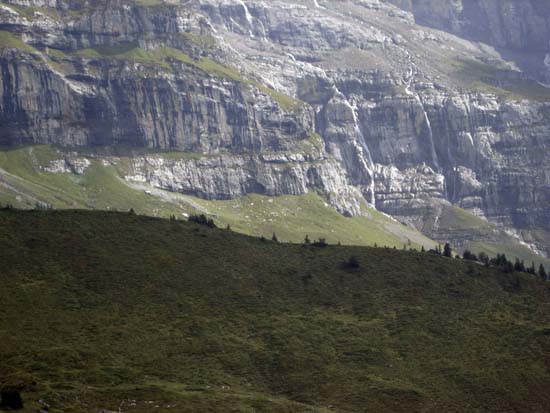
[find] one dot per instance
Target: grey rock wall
(520, 28)
(384, 115)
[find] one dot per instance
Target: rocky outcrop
(349, 98)
(229, 177)
(70, 164)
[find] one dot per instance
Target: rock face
(521, 29)
(229, 177)
(510, 24)
(349, 98)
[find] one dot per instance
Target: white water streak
(316, 4)
(247, 16)
(410, 77)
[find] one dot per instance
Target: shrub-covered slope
(116, 311)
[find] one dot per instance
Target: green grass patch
(9, 40)
(99, 187)
(291, 218)
(491, 79)
(59, 54)
(455, 218)
(205, 41)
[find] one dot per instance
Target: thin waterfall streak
(409, 79)
(248, 17)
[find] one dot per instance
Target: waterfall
(247, 16)
(435, 160)
(316, 4)
(409, 79)
(450, 156)
(369, 165)
(546, 62)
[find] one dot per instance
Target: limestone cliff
(355, 99)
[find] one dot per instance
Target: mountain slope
(116, 311)
(42, 176)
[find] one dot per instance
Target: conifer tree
(447, 252)
(274, 238)
(508, 266)
(542, 272)
(503, 261)
(322, 242)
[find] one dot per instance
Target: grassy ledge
(491, 79)
(9, 40)
(163, 55)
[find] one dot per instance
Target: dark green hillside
(116, 311)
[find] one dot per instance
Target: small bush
(352, 263)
